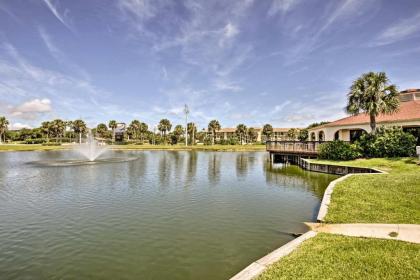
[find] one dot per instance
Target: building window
(313, 136)
(321, 136)
(337, 135)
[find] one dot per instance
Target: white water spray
(91, 149)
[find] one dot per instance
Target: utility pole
(186, 111)
(193, 134)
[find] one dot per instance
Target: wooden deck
(307, 148)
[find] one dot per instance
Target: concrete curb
(257, 267)
(402, 232)
(326, 199)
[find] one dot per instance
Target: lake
(166, 215)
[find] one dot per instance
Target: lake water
(166, 215)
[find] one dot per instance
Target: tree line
(371, 94)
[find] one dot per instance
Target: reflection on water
(165, 215)
(293, 176)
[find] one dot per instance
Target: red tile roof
(408, 111)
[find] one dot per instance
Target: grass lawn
(387, 198)
(38, 147)
(189, 148)
(328, 256)
(31, 147)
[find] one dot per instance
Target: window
(321, 136)
(337, 135)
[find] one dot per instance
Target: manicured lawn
(38, 147)
(388, 198)
(31, 147)
(195, 148)
(328, 256)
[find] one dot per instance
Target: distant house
(350, 128)
(229, 132)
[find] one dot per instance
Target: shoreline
(257, 267)
(210, 148)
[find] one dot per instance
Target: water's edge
(260, 265)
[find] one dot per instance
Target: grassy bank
(328, 256)
(38, 147)
(31, 147)
(388, 198)
(191, 148)
(385, 198)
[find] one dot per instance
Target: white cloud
(18, 126)
(279, 108)
(230, 30)
(224, 85)
(281, 6)
(401, 30)
(63, 18)
(31, 109)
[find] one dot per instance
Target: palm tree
(143, 129)
(372, 94)
(303, 135)
(213, 127)
(164, 126)
(113, 125)
(135, 127)
(101, 129)
(267, 131)
(3, 128)
(79, 127)
(252, 135)
(57, 128)
(292, 134)
(192, 131)
(46, 129)
(241, 131)
(178, 131)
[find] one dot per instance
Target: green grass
(328, 256)
(38, 147)
(388, 198)
(189, 148)
(31, 147)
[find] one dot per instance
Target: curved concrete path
(403, 232)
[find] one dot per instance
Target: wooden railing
(294, 147)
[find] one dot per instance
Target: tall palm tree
(79, 127)
(267, 131)
(135, 127)
(178, 131)
(113, 125)
(213, 127)
(372, 94)
(102, 130)
(192, 131)
(143, 130)
(252, 135)
(241, 131)
(4, 123)
(164, 126)
(57, 128)
(46, 129)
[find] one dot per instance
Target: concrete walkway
(403, 232)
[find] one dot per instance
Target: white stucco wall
(344, 130)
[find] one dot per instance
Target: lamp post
(186, 111)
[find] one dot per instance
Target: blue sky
(284, 62)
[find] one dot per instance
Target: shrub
(338, 150)
(387, 142)
(51, 144)
(35, 141)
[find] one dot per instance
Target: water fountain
(91, 149)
